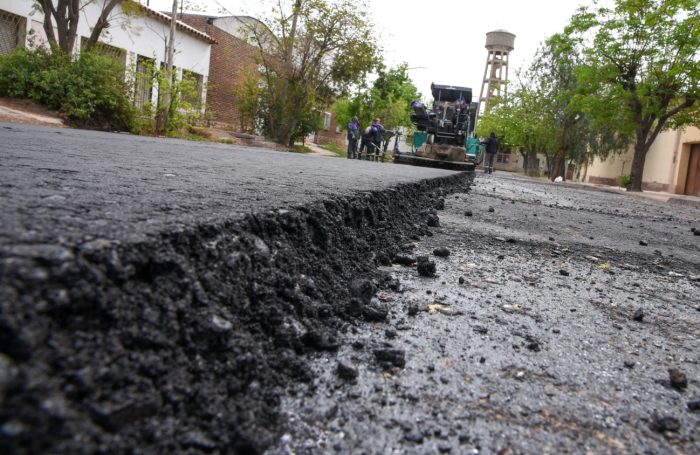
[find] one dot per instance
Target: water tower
(499, 43)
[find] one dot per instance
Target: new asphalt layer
(68, 184)
(162, 296)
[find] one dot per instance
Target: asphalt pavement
(69, 184)
(157, 295)
(165, 296)
(558, 320)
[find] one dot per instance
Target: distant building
(672, 164)
(331, 133)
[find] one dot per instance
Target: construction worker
(353, 137)
(491, 150)
(377, 136)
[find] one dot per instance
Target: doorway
(692, 181)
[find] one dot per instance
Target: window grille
(192, 89)
(12, 28)
(106, 49)
(143, 81)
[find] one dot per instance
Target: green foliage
(184, 104)
(547, 115)
(298, 148)
(389, 98)
(639, 73)
(341, 152)
(308, 56)
(89, 91)
(248, 95)
(625, 181)
(185, 108)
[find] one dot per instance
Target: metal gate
(12, 29)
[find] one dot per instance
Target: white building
(138, 38)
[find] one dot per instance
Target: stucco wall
(659, 165)
(665, 167)
(610, 169)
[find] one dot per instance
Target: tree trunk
(164, 108)
(65, 16)
(72, 32)
(48, 10)
(637, 173)
(102, 22)
(286, 128)
(550, 165)
(531, 164)
(559, 169)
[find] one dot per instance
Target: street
(164, 296)
(526, 341)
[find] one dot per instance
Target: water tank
(500, 40)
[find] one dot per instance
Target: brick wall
(230, 57)
(329, 136)
(609, 181)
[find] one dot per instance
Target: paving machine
(444, 133)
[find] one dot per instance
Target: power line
(228, 10)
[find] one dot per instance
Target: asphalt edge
(81, 325)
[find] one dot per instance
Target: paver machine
(444, 132)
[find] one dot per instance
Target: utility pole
(293, 31)
(169, 54)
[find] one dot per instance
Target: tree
(389, 98)
(523, 122)
(640, 73)
(64, 15)
(576, 138)
(165, 92)
(309, 53)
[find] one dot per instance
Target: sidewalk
(670, 198)
(319, 151)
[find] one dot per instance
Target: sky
(443, 40)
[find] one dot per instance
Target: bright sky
(443, 40)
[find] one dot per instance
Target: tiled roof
(163, 17)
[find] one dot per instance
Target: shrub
(89, 90)
(625, 181)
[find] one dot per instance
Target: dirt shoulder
(28, 113)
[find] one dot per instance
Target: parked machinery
(444, 132)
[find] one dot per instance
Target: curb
(661, 198)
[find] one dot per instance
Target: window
(106, 49)
(12, 29)
(143, 81)
(191, 88)
(503, 157)
(327, 120)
